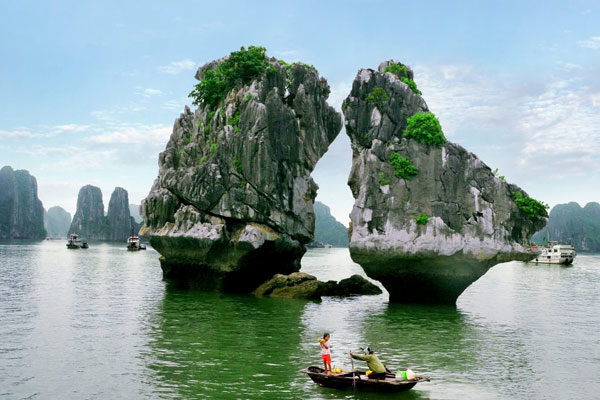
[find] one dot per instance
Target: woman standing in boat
(326, 352)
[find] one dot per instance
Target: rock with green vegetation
(233, 202)
(299, 285)
(574, 225)
(57, 222)
(429, 217)
(21, 211)
(329, 230)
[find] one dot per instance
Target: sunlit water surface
(101, 324)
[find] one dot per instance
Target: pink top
(325, 347)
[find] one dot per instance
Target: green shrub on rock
(422, 219)
(533, 208)
(238, 165)
(402, 72)
(403, 167)
(383, 180)
(425, 128)
(378, 96)
(240, 68)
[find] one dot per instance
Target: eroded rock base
(205, 265)
(429, 280)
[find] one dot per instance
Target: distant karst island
(575, 225)
(22, 215)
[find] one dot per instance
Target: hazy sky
(90, 90)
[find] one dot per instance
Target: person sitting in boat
(377, 369)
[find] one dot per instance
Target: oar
(353, 375)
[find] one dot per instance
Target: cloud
(175, 104)
(134, 134)
(548, 126)
(176, 67)
(19, 133)
(113, 114)
(40, 131)
(288, 55)
(591, 43)
(47, 151)
(465, 99)
(148, 92)
(71, 128)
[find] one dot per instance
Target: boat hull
(359, 381)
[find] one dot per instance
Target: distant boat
(555, 253)
(75, 243)
(133, 243)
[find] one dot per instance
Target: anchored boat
(75, 243)
(555, 253)
(360, 381)
(134, 244)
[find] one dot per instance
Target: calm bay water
(101, 324)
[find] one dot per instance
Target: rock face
(299, 285)
(470, 221)
(21, 212)
(57, 222)
(233, 202)
(118, 218)
(89, 221)
(328, 230)
(571, 224)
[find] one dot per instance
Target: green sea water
(101, 324)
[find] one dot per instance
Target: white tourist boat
(75, 243)
(133, 243)
(555, 253)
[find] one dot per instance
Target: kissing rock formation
(233, 202)
(429, 217)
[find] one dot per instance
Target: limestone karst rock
(21, 211)
(431, 219)
(90, 222)
(57, 222)
(233, 202)
(118, 218)
(328, 230)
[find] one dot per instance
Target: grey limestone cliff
(233, 202)
(329, 230)
(429, 235)
(21, 211)
(57, 222)
(90, 222)
(118, 218)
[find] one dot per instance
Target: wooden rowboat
(360, 381)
